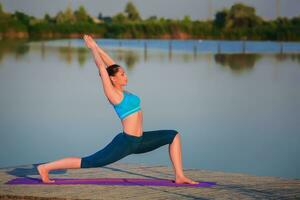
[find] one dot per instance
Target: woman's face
(120, 77)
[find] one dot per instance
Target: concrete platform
(229, 185)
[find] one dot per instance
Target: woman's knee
(112, 152)
(92, 161)
(85, 163)
(173, 134)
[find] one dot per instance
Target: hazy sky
(196, 9)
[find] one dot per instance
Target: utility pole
(70, 4)
(210, 10)
(278, 8)
(278, 15)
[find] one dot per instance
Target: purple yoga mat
(108, 181)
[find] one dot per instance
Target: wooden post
(170, 49)
(145, 51)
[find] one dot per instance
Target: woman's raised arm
(108, 88)
(106, 58)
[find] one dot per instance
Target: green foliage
(65, 17)
(9, 23)
(114, 30)
(1, 9)
(3, 15)
(132, 12)
(49, 19)
(242, 16)
(119, 18)
(186, 19)
(239, 16)
(81, 15)
(44, 29)
(238, 22)
(152, 18)
(22, 17)
(220, 18)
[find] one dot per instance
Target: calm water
(235, 112)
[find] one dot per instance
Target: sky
(175, 9)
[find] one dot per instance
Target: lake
(236, 104)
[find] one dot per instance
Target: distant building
(97, 21)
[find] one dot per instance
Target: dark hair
(112, 69)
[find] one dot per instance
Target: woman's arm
(108, 88)
(106, 58)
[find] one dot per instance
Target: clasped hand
(89, 42)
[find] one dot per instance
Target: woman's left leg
(175, 156)
(121, 146)
(155, 139)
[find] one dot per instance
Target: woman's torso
(132, 123)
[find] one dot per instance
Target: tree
(100, 17)
(1, 9)
(107, 19)
(242, 16)
(65, 17)
(186, 19)
(3, 15)
(48, 18)
(22, 17)
(152, 18)
(220, 18)
(132, 12)
(119, 18)
(81, 15)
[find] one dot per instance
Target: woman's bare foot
(44, 174)
(183, 179)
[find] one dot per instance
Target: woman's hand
(89, 42)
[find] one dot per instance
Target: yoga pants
(124, 144)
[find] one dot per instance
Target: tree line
(239, 22)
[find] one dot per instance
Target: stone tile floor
(229, 185)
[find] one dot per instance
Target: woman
(133, 140)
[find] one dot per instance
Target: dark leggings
(124, 144)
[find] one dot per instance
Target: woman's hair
(112, 69)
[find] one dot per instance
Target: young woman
(132, 140)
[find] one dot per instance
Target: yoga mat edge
(107, 181)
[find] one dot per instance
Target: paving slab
(228, 185)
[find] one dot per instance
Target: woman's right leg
(65, 163)
(121, 146)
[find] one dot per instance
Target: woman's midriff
(133, 124)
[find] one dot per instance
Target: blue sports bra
(129, 104)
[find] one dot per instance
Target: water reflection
(11, 47)
(66, 54)
(238, 63)
(82, 55)
(284, 57)
(130, 57)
